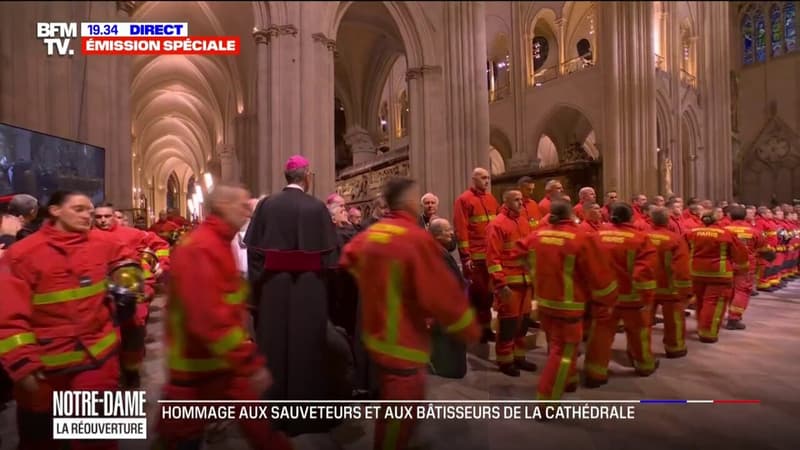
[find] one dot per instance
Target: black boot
(674, 355)
(593, 383)
(734, 324)
(509, 369)
(525, 365)
(487, 336)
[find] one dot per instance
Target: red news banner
(150, 45)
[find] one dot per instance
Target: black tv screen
(39, 164)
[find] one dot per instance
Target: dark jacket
(453, 266)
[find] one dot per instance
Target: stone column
(263, 173)
(317, 139)
(630, 161)
(519, 84)
(227, 163)
(714, 83)
(246, 132)
(467, 111)
(561, 23)
(361, 144)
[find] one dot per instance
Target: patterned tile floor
(762, 362)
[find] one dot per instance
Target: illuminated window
(790, 26)
(776, 26)
(747, 37)
(761, 36)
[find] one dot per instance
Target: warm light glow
(198, 194)
(190, 204)
(209, 181)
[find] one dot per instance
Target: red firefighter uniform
(474, 210)
(56, 320)
(504, 270)
(530, 212)
(133, 330)
(673, 287)
(784, 237)
(568, 271)
(632, 258)
(768, 275)
(403, 281)
(210, 354)
(715, 254)
(755, 243)
(794, 245)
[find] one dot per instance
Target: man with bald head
(511, 283)
(430, 206)
(586, 197)
(552, 187)
(473, 211)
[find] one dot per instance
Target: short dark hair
(105, 205)
(394, 189)
(621, 212)
(708, 219)
(296, 175)
(525, 180)
(22, 205)
(58, 198)
(560, 210)
(660, 216)
(671, 202)
(737, 212)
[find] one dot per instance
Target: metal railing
(688, 79)
(564, 69)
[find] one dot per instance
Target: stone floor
(761, 363)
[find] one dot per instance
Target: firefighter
(767, 278)
(510, 284)
(568, 270)
(716, 255)
(743, 282)
(673, 282)
(403, 281)
(474, 209)
(530, 209)
(56, 327)
(210, 354)
(133, 331)
(632, 258)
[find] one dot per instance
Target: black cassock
(291, 242)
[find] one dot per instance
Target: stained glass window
(790, 26)
(747, 34)
(776, 25)
(761, 37)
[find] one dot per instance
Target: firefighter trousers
(674, 323)
(187, 434)
(563, 338)
(512, 317)
(636, 321)
(742, 288)
(397, 384)
(133, 333)
(712, 300)
(35, 410)
(479, 294)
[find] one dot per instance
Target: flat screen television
(39, 164)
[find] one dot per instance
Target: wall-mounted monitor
(39, 164)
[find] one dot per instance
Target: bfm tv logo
(57, 36)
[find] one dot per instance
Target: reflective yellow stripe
(391, 435)
(162, 253)
(394, 302)
(533, 223)
(563, 371)
(481, 219)
(463, 322)
(16, 341)
(513, 279)
(504, 358)
(631, 256)
(723, 258)
(564, 306)
(569, 282)
(668, 267)
(395, 351)
(712, 274)
(628, 297)
(176, 359)
(463, 244)
(69, 294)
(644, 285)
(594, 369)
(605, 291)
(647, 362)
(147, 274)
(666, 291)
(60, 359)
(532, 263)
(682, 283)
(494, 268)
(478, 256)
(234, 298)
(230, 341)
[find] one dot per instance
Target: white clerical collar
(296, 186)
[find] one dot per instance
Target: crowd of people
(288, 297)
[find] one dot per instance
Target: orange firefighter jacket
(501, 236)
(568, 269)
(207, 308)
(530, 211)
(752, 238)
(473, 212)
(139, 241)
(715, 254)
(55, 315)
(672, 263)
(632, 258)
(403, 281)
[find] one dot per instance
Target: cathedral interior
(693, 98)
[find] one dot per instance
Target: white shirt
(240, 249)
(295, 186)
